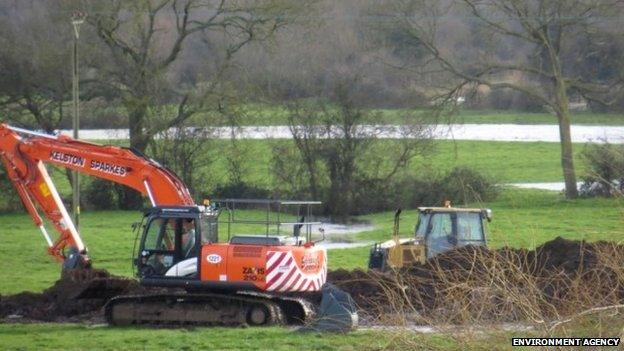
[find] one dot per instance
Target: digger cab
(172, 238)
(444, 228)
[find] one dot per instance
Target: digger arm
(24, 153)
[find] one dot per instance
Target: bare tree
(34, 74)
(543, 32)
(144, 40)
(186, 150)
(337, 149)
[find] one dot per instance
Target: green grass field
(505, 162)
(80, 337)
(522, 218)
(83, 337)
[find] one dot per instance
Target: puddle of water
(334, 228)
(428, 329)
(342, 245)
(425, 329)
(556, 186)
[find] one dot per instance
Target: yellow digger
(439, 229)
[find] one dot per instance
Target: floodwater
(343, 245)
(555, 186)
(445, 329)
(337, 236)
(341, 229)
(484, 132)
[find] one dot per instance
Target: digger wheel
(257, 315)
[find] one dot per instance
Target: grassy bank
(505, 161)
(268, 115)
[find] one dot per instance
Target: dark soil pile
(474, 283)
(78, 295)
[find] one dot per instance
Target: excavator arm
(24, 154)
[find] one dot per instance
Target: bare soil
(78, 295)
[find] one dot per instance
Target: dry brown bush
(556, 284)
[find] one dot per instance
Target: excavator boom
(24, 154)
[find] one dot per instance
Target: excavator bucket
(75, 260)
(84, 282)
(337, 312)
(91, 283)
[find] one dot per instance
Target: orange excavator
(249, 279)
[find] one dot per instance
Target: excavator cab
(445, 228)
(172, 239)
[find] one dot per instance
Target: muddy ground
(498, 285)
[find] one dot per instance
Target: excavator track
(207, 309)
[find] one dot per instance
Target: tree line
(194, 63)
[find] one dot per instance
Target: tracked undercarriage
(208, 309)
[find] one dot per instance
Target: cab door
(169, 248)
(157, 250)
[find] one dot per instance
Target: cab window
(158, 254)
(469, 228)
(439, 234)
(423, 224)
(160, 235)
(209, 230)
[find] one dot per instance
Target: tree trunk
(311, 166)
(137, 134)
(130, 199)
(565, 136)
(567, 157)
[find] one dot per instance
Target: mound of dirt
(78, 295)
(558, 278)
